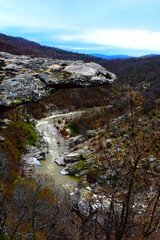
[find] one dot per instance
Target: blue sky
(91, 26)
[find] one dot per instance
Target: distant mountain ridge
(110, 56)
(120, 56)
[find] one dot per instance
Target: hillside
(20, 46)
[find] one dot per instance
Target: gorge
(75, 126)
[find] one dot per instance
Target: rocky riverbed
(59, 156)
(56, 149)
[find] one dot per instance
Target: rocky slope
(24, 79)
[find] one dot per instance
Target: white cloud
(136, 39)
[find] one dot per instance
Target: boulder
(76, 140)
(2, 139)
(89, 74)
(72, 157)
(76, 168)
(60, 160)
(82, 173)
(84, 208)
(32, 157)
(6, 121)
(64, 171)
(40, 155)
(55, 67)
(48, 79)
(37, 163)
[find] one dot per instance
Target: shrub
(30, 133)
(72, 130)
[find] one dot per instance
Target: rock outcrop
(2, 139)
(24, 78)
(32, 157)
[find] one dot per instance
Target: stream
(56, 144)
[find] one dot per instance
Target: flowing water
(56, 146)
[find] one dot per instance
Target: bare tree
(129, 179)
(4, 189)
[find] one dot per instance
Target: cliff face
(24, 79)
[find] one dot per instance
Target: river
(57, 146)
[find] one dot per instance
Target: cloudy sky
(108, 27)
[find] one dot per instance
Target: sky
(110, 27)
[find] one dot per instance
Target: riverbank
(58, 154)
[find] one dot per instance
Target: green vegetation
(29, 132)
(108, 76)
(109, 145)
(1, 65)
(45, 69)
(82, 157)
(79, 166)
(73, 131)
(66, 75)
(121, 107)
(18, 134)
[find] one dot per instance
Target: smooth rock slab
(72, 157)
(81, 69)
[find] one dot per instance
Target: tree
(40, 211)
(128, 175)
(4, 190)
